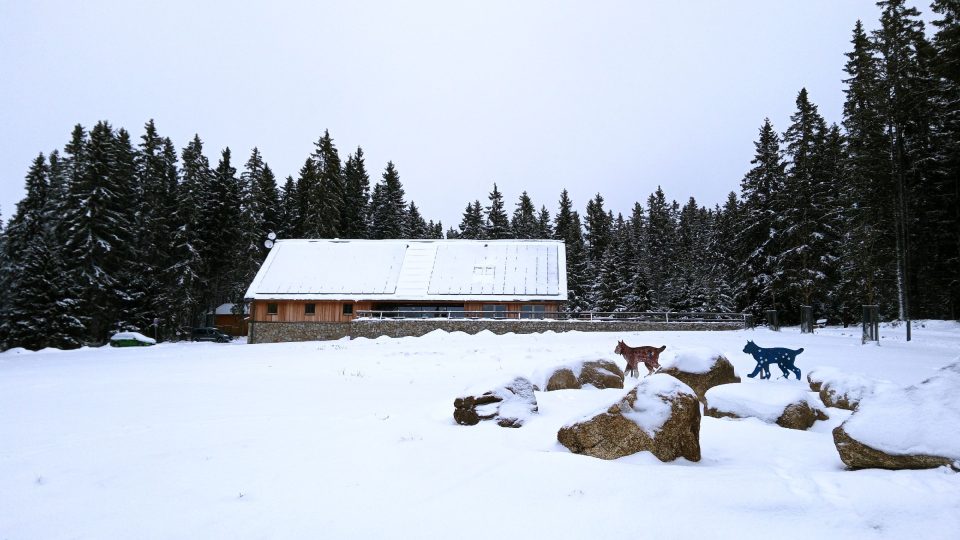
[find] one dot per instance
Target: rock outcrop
(843, 390)
(719, 372)
(598, 373)
(788, 406)
(916, 427)
(661, 415)
(510, 405)
(857, 455)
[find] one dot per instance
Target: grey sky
(609, 97)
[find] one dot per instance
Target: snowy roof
(227, 309)
(450, 270)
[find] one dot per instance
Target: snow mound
(920, 419)
(764, 401)
(690, 359)
(435, 334)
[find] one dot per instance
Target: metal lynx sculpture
(650, 356)
(783, 358)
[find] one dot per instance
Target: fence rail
(644, 316)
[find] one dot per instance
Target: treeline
(829, 216)
(115, 236)
(112, 234)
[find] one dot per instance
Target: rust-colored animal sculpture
(650, 356)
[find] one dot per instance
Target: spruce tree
(578, 267)
(158, 176)
(472, 226)
(388, 209)
(946, 43)
(911, 116)
(331, 187)
(598, 226)
(611, 283)
(722, 285)
(95, 227)
(259, 209)
(131, 311)
(544, 228)
(288, 218)
(757, 243)
(805, 228)
(661, 234)
(867, 267)
(569, 229)
(497, 225)
(416, 226)
(309, 202)
(195, 181)
(220, 234)
(356, 197)
(637, 263)
(524, 223)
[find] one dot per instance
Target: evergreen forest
(117, 232)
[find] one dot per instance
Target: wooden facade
(299, 311)
(333, 311)
(232, 325)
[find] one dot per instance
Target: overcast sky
(608, 97)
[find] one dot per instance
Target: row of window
(527, 311)
(308, 309)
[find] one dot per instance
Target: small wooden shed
(230, 323)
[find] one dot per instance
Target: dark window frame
(347, 309)
(533, 311)
(496, 311)
(310, 309)
(273, 308)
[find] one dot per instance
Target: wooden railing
(645, 316)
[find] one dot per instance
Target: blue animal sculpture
(783, 358)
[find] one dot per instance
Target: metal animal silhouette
(650, 356)
(783, 358)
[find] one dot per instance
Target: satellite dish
(268, 243)
(272, 235)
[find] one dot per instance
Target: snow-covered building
(334, 281)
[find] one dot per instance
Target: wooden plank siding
(295, 311)
(327, 311)
(551, 307)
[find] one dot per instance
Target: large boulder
(787, 405)
(510, 405)
(917, 427)
(701, 369)
(661, 415)
(843, 390)
(574, 375)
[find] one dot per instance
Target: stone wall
(274, 332)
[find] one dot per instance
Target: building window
(309, 309)
(533, 311)
(272, 308)
(497, 311)
(348, 309)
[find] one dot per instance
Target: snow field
(355, 439)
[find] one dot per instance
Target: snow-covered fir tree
(497, 225)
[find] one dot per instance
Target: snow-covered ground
(355, 439)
